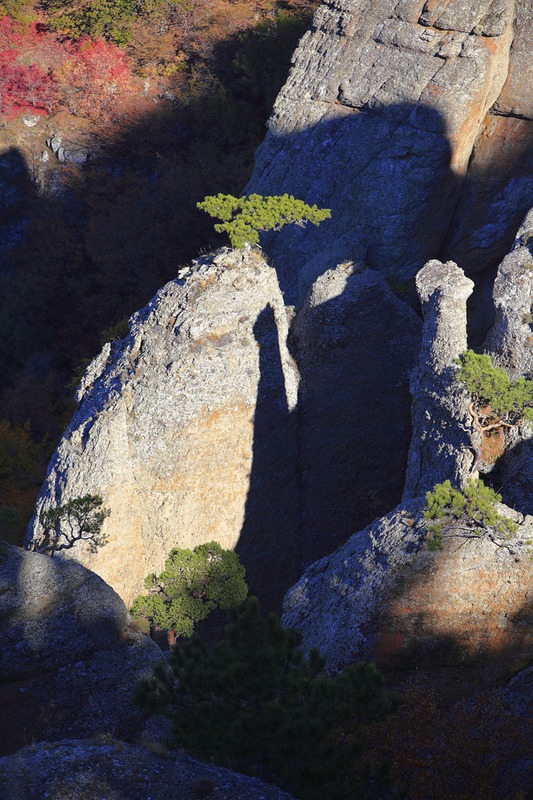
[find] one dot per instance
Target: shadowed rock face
(355, 343)
(67, 660)
(379, 118)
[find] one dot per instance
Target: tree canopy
(254, 703)
(193, 583)
(244, 217)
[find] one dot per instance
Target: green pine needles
(470, 510)
(193, 583)
(253, 702)
(243, 217)
(510, 401)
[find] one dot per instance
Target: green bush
(512, 401)
(253, 703)
(472, 509)
(193, 583)
(243, 217)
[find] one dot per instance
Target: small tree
(497, 401)
(243, 217)
(193, 583)
(254, 703)
(79, 520)
(469, 511)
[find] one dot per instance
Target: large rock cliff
(412, 121)
(199, 425)
(185, 430)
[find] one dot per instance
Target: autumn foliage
(41, 73)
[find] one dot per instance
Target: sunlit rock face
(67, 659)
(186, 430)
(384, 108)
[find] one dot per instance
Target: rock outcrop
(510, 344)
(67, 659)
(382, 112)
(462, 615)
(93, 770)
(355, 344)
(185, 429)
(441, 444)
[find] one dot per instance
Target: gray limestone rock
(68, 663)
(110, 769)
(441, 444)
(377, 121)
(355, 344)
(510, 341)
(186, 430)
(462, 613)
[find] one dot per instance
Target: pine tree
(243, 217)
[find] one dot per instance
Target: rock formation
(67, 660)
(90, 769)
(355, 343)
(191, 429)
(440, 447)
(185, 430)
(463, 614)
(389, 105)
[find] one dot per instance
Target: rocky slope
(412, 121)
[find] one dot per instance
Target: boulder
(186, 430)
(355, 343)
(111, 769)
(462, 616)
(378, 121)
(68, 662)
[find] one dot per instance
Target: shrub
(243, 217)
(193, 583)
(252, 702)
(471, 509)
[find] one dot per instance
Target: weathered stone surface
(67, 661)
(377, 121)
(355, 344)
(463, 613)
(510, 341)
(52, 612)
(441, 444)
(185, 429)
(93, 770)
